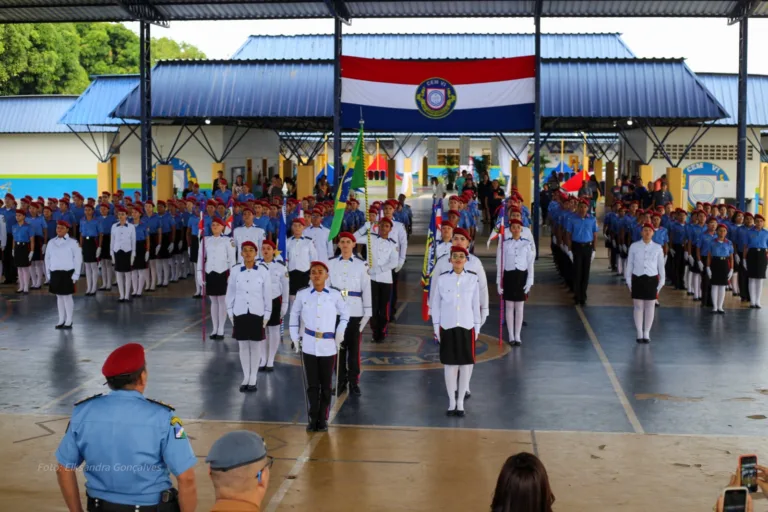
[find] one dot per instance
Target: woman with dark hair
(523, 486)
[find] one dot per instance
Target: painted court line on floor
(631, 416)
(89, 381)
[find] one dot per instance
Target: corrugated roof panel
(653, 89)
(34, 114)
(239, 89)
(433, 46)
(97, 102)
(452, 8)
(189, 10)
(725, 88)
(638, 8)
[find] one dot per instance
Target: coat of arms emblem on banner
(435, 98)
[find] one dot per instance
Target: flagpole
(502, 304)
(369, 250)
(202, 271)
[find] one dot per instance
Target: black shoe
(646, 340)
(66, 326)
(243, 387)
(197, 296)
(467, 395)
(689, 294)
(640, 340)
(459, 413)
(212, 337)
(312, 425)
(322, 426)
(525, 324)
(518, 343)
(60, 326)
(355, 390)
(722, 312)
(658, 305)
(269, 369)
(341, 389)
(450, 412)
(758, 306)
(251, 388)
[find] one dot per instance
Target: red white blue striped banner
(487, 95)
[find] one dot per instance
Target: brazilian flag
(353, 178)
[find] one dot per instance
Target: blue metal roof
(34, 114)
(433, 46)
(649, 88)
(654, 89)
(236, 89)
(97, 102)
(725, 88)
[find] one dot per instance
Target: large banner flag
(433, 235)
(487, 95)
(353, 178)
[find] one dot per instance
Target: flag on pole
(353, 178)
(228, 221)
(429, 258)
(498, 229)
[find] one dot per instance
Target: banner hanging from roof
(486, 95)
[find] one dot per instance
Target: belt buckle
(345, 293)
(318, 335)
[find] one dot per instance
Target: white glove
(283, 310)
(623, 248)
(179, 245)
(527, 288)
(554, 239)
(367, 225)
(709, 272)
(665, 260)
(397, 268)
(672, 252)
(296, 346)
(498, 289)
(146, 256)
(690, 260)
(437, 333)
(133, 257)
(266, 321)
(13, 252)
(745, 264)
(43, 248)
(701, 265)
(170, 247)
(482, 321)
(339, 338)
(613, 242)
(157, 250)
(112, 258)
(570, 255)
(74, 278)
(730, 274)
(686, 255)
(629, 285)
(738, 259)
(363, 322)
(31, 255)
(593, 256)
(477, 329)
(98, 252)
(231, 318)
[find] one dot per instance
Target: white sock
(518, 319)
(245, 361)
(718, 297)
(256, 348)
(451, 384)
(145, 274)
(649, 310)
(120, 284)
(509, 317)
(198, 288)
(166, 271)
(735, 283)
(637, 314)
(62, 310)
(273, 342)
(127, 277)
(687, 280)
(69, 308)
(465, 373)
(94, 276)
(222, 314)
(755, 291)
(135, 280)
(152, 281)
(40, 273)
(215, 315)
(697, 286)
(142, 279)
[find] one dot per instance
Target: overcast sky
(707, 44)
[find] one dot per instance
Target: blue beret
(236, 449)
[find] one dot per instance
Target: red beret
(121, 209)
(77, 194)
(320, 263)
(373, 209)
(25, 199)
(211, 202)
(104, 205)
(447, 224)
(453, 198)
(138, 204)
(722, 226)
(385, 220)
(317, 211)
(269, 243)
(516, 221)
(347, 234)
(10, 196)
(749, 214)
(46, 207)
(217, 220)
(299, 220)
(34, 204)
(462, 232)
(248, 243)
(649, 225)
(655, 215)
(515, 210)
(222, 181)
(248, 209)
(105, 193)
(758, 216)
(220, 202)
(462, 250)
(21, 212)
(63, 223)
(454, 212)
(161, 203)
(126, 359)
(291, 201)
(149, 202)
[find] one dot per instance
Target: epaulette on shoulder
(87, 399)
(360, 258)
(471, 272)
(266, 267)
(334, 288)
(446, 272)
(158, 402)
(307, 238)
(279, 261)
(391, 241)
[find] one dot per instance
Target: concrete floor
(619, 426)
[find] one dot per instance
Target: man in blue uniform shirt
(129, 444)
(581, 240)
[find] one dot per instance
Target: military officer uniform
(319, 341)
(129, 443)
(63, 260)
(219, 257)
(351, 278)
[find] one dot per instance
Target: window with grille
(703, 152)
(443, 155)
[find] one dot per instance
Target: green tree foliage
(44, 58)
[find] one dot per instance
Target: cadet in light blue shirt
(581, 241)
(130, 444)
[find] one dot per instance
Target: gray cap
(236, 449)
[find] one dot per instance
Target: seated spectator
(523, 486)
(239, 469)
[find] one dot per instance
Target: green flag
(353, 178)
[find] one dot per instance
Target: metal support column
(145, 85)
(537, 129)
(741, 158)
(336, 102)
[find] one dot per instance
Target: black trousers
(743, 282)
(9, 267)
(380, 294)
(349, 354)
(678, 266)
(582, 261)
(706, 289)
(393, 302)
(614, 251)
(319, 382)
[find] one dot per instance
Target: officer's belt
(347, 293)
(320, 335)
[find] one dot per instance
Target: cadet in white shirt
(443, 246)
(401, 237)
(214, 259)
(319, 235)
(123, 251)
(63, 260)
(300, 253)
(384, 261)
(645, 275)
(348, 274)
(317, 308)
(248, 232)
(249, 306)
(279, 276)
(456, 317)
(516, 279)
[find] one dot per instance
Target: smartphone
(748, 472)
(735, 499)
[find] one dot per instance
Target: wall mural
(707, 183)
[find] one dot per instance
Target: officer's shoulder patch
(471, 272)
(307, 238)
(264, 265)
(391, 241)
(361, 258)
(158, 402)
(178, 428)
(280, 262)
(232, 242)
(334, 288)
(87, 399)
